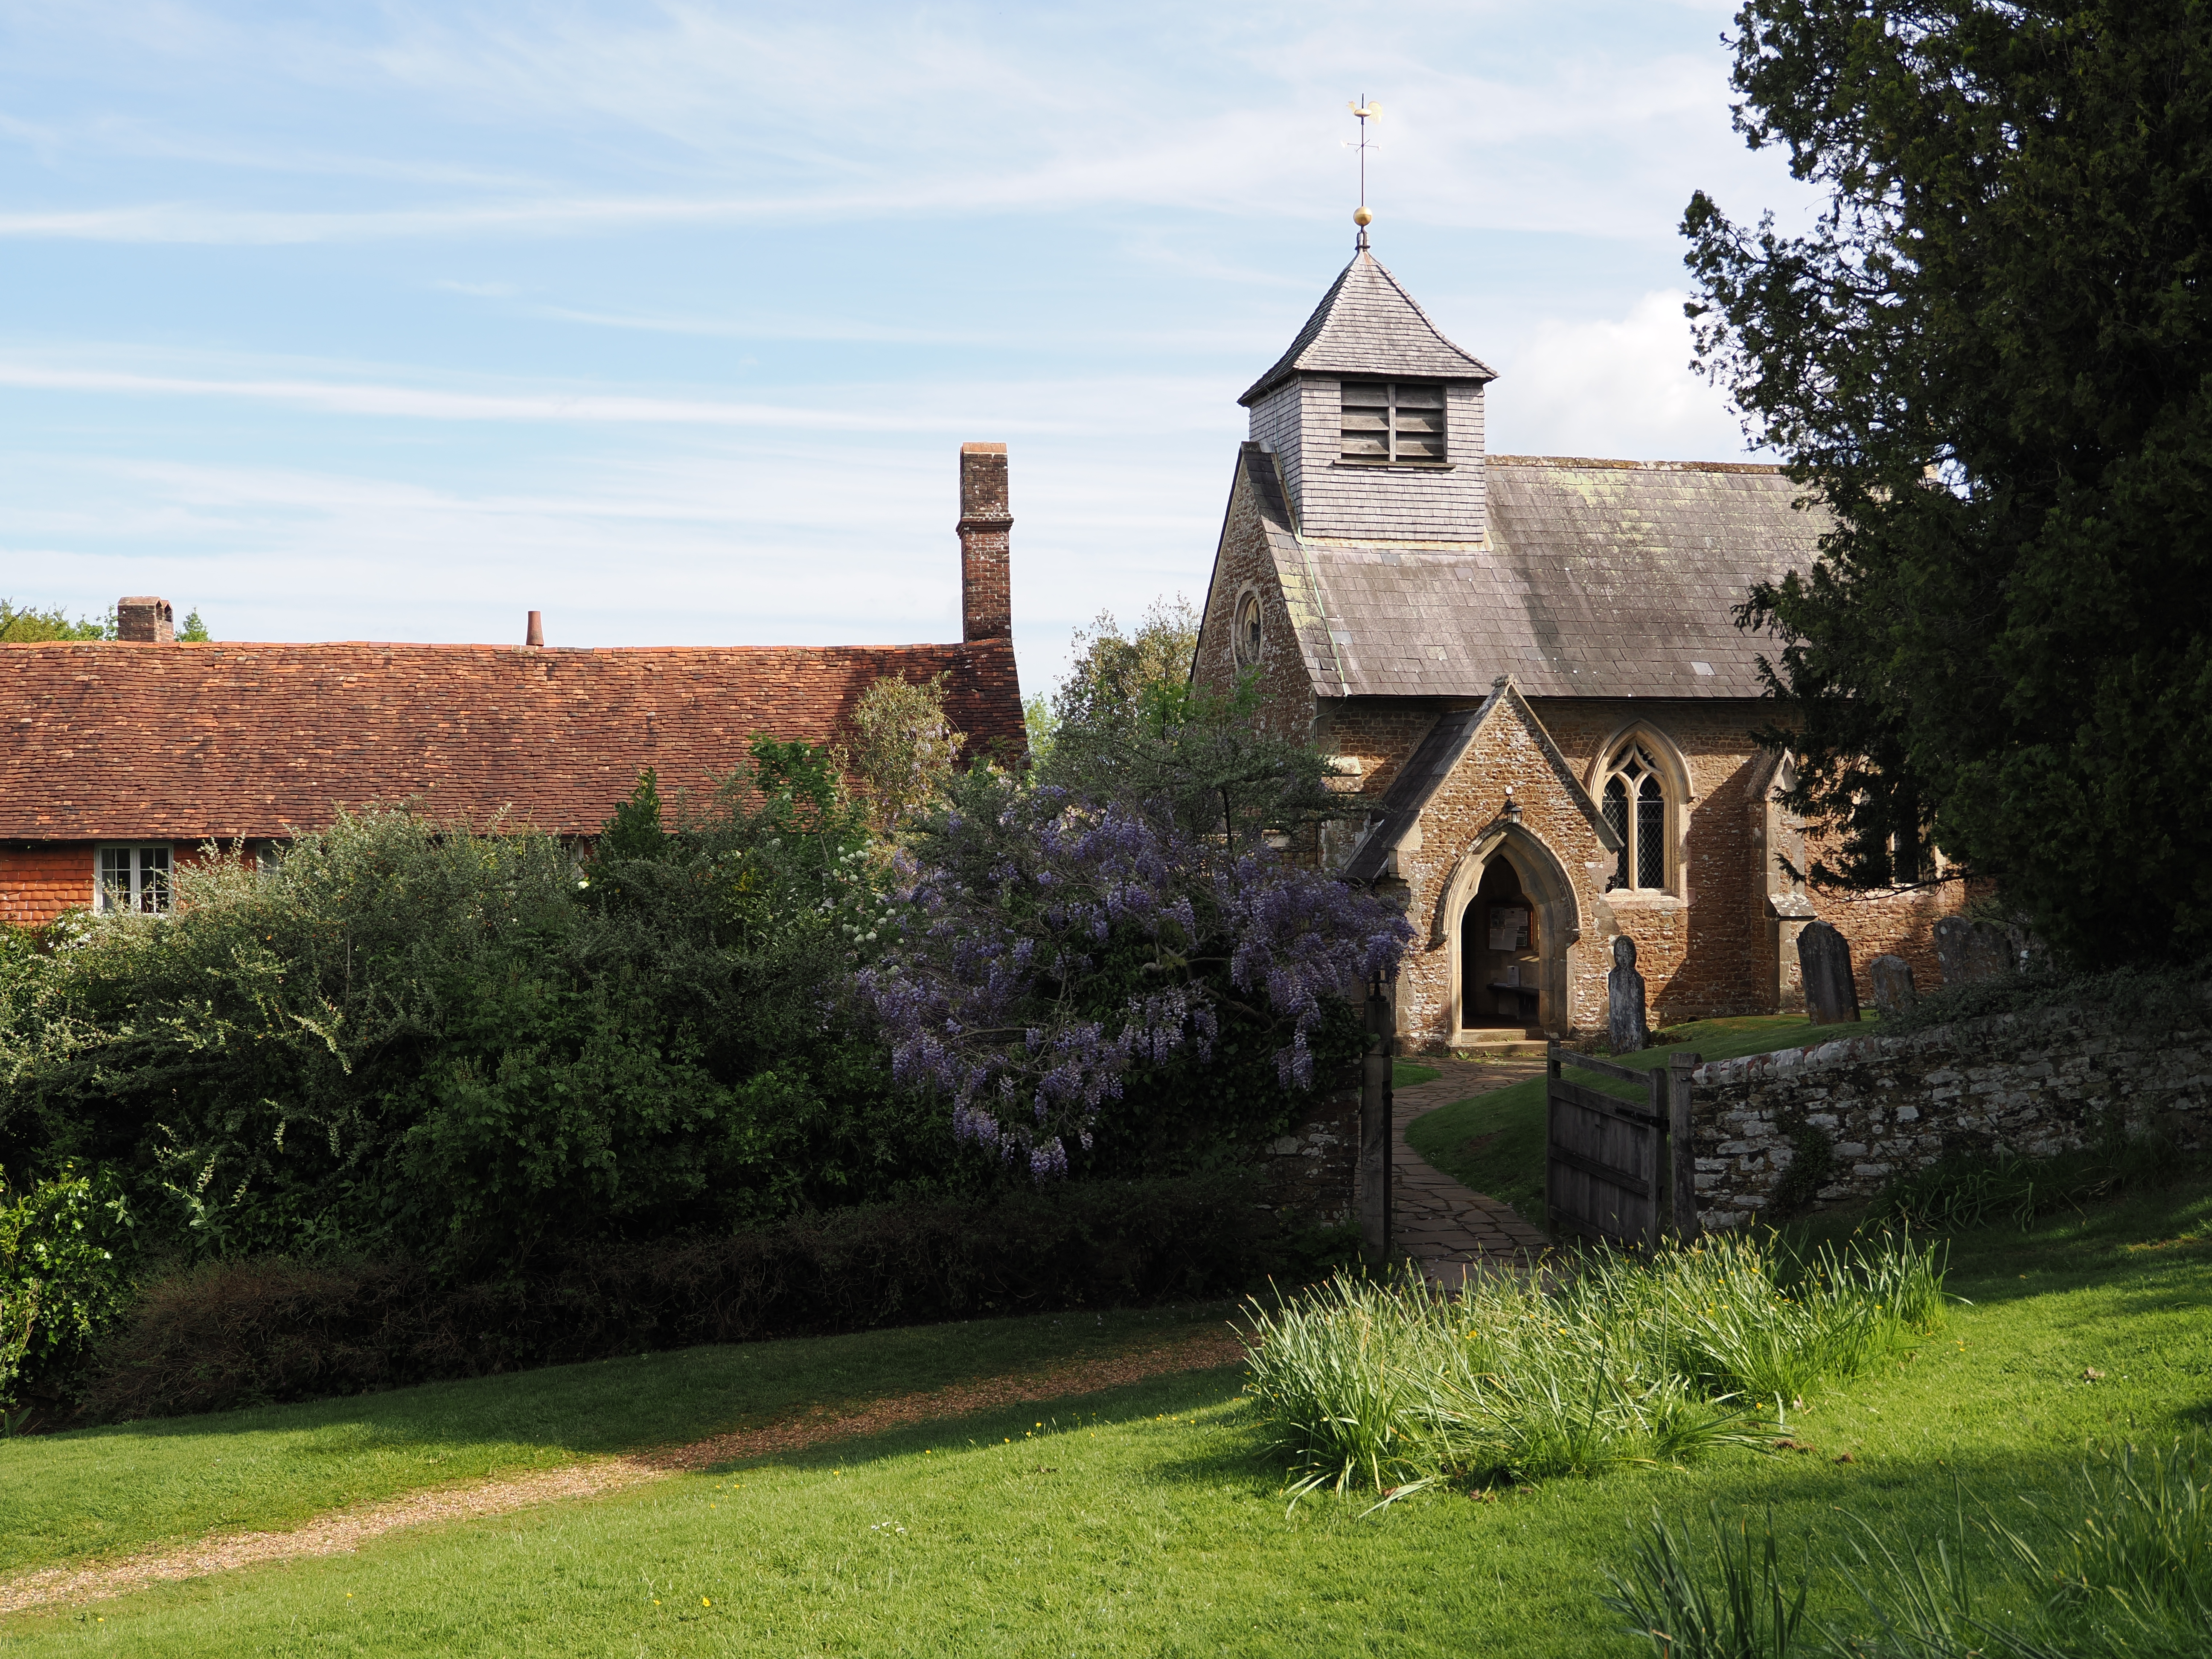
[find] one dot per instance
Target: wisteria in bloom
(1050, 944)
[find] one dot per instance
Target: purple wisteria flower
(1051, 943)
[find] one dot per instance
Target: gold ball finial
(1362, 217)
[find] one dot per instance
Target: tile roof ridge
(468, 645)
(1633, 466)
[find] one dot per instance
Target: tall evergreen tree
(1989, 355)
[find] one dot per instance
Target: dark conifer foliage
(1991, 357)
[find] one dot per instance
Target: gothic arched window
(1635, 803)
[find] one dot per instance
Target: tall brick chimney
(987, 600)
(145, 619)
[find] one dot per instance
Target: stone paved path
(1450, 1229)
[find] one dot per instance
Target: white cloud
(1621, 389)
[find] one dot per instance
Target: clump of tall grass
(2130, 1577)
(1389, 1386)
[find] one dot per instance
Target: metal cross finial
(1367, 110)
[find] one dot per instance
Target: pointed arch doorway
(1509, 914)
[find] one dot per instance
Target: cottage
(124, 757)
(1527, 672)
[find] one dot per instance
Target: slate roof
(1599, 579)
(1367, 325)
(112, 740)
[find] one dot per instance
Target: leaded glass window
(1634, 801)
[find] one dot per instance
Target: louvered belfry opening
(1394, 423)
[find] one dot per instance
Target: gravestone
(1968, 950)
(1624, 988)
(1892, 984)
(1823, 958)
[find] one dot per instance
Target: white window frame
(140, 874)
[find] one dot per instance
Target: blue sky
(390, 321)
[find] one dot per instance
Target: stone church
(1527, 672)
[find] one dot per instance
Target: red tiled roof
(111, 741)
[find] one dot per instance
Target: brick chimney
(987, 601)
(145, 619)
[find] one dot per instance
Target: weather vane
(1366, 111)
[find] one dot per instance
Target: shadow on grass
(644, 1401)
(1169, 1400)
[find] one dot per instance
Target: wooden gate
(1615, 1170)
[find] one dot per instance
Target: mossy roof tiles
(1598, 578)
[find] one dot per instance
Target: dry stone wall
(1866, 1110)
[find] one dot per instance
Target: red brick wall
(39, 881)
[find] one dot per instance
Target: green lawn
(1404, 1074)
(1494, 1143)
(1148, 1520)
(108, 1491)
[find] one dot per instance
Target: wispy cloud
(738, 116)
(1060, 405)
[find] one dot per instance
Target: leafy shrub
(2144, 1002)
(414, 1041)
(234, 1333)
(1393, 1387)
(64, 1277)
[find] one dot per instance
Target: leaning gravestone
(1624, 988)
(1892, 984)
(1968, 950)
(1823, 958)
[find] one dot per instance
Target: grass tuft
(2131, 1578)
(1390, 1387)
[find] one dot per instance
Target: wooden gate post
(1682, 1178)
(1375, 1133)
(1551, 1132)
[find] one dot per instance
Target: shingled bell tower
(1375, 418)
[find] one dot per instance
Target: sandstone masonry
(1879, 1108)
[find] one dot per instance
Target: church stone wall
(1467, 807)
(1376, 734)
(1245, 564)
(1705, 947)
(1898, 923)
